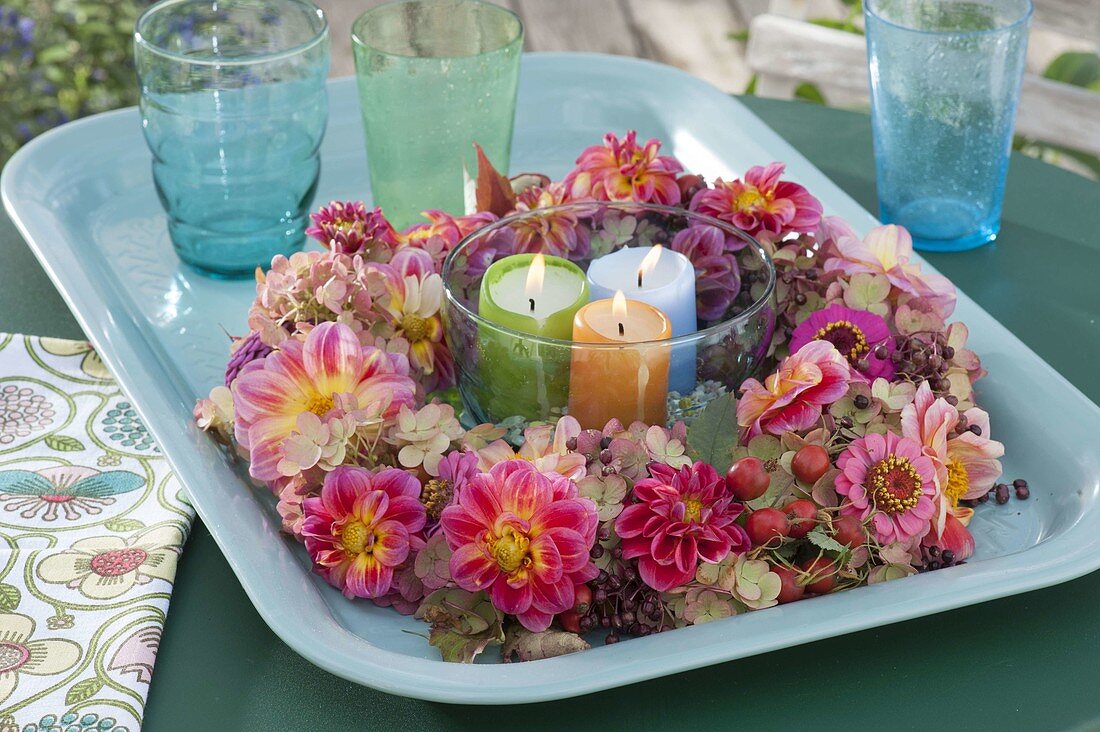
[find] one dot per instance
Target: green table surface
(1028, 661)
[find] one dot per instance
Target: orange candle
(629, 382)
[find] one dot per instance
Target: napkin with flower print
(92, 522)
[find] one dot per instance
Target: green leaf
(809, 93)
(712, 437)
(83, 690)
(1079, 68)
(821, 540)
(523, 645)
(741, 35)
(9, 597)
(750, 89)
(123, 525)
(64, 443)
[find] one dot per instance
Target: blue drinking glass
(234, 107)
(945, 81)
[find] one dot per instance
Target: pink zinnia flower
(524, 537)
(761, 203)
(791, 399)
(855, 333)
(362, 527)
(886, 250)
(680, 517)
(886, 478)
(345, 227)
(312, 376)
(717, 276)
(622, 170)
(560, 233)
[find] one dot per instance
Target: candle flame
(649, 262)
(618, 305)
(536, 273)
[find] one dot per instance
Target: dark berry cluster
(1000, 493)
(921, 357)
(933, 558)
(621, 602)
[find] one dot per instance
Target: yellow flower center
(692, 508)
(847, 337)
(750, 197)
(321, 405)
(510, 551)
(356, 538)
(415, 328)
(958, 482)
(894, 484)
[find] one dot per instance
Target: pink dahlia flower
(362, 527)
(966, 463)
(561, 233)
(623, 170)
(717, 276)
(887, 479)
(524, 538)
(791, 399)
(855, 333)
(761, 202)
(346, 227)
(329, 367)
(887, 250)
(680, 517)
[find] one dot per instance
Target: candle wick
(532, 301)
(639, 278)
(622, 330)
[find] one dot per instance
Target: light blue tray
(83, 198)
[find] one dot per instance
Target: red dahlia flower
(681, 517)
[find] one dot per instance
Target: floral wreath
(858, 459)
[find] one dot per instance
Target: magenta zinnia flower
(887, 478)
(346, 227)
(329, 366)
(362, 527)
(681, 517)
(623, 170)
(855, 333)
(524, 537)
(761, 202)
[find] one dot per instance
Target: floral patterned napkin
(92, 522)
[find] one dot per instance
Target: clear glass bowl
(504, 373)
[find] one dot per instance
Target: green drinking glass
(435, 77)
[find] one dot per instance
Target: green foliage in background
(63, 59)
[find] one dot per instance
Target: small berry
(861, 401)
(810, 463)
(766, 524)
(1002, 493)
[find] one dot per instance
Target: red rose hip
(747, 479)
(802, 515)
(765, 524)
(810, 463)
(789, 590)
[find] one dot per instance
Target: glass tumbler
(945, 81)
(234, 107)
(435, 76)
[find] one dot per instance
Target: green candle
(537, 295)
